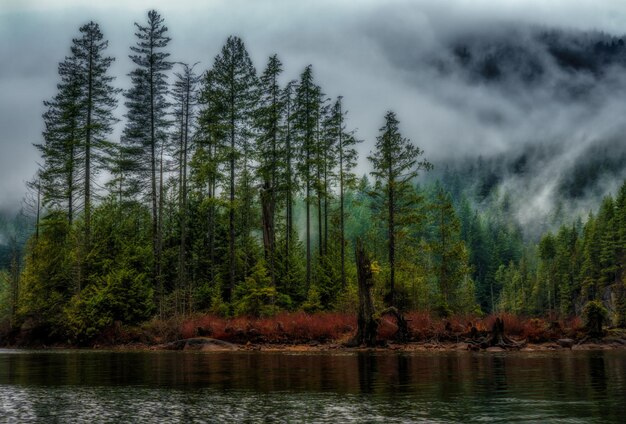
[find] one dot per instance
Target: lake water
(186, 387)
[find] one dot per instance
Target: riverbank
(208, 344)
(331, 331)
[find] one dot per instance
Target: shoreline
(215, 345)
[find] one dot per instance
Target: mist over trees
(233, 191)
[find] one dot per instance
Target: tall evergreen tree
(395, 164)
(234, 95)
(346, 156)
(268, 117)
(98, 102)
(305, 125)
(78, 121)
(289, 179)
(184, 93)
(146, 127)
(208, 157)
(61, 148)
(449, 254)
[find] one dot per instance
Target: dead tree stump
(496, 338)
(367, 324)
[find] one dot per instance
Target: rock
(461, 346)
(494, 349)
(200, 343)
(567, 343)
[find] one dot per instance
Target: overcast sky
(359, 49)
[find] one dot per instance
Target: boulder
(200, 343)
(566, 343)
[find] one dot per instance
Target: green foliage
(5, 296)
(594, 315)
(313, 302)
(122, 295)
(449, 256)
(395, 164)
(47, 280)
(256, 296)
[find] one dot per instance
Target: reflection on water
(96, 386)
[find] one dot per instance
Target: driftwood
(496, 338)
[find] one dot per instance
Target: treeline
(577, 263)
(229, 191)
(233, 192)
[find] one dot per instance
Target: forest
(233, 192)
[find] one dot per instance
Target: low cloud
(401, 55)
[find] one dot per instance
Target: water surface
(186, 387)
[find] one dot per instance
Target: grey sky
(367, 51)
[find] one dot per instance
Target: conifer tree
(289, 178)
(268, 118)
(207, 161)
(60, 150)
(234, 96)
(395, 164)
(346, 157)
(146, 126)
(98, 102)
(305, 125)
(449, 254)
(184, 93)
(78, 120)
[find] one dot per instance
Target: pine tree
(268, 119)
(234, 94)
(305, 125)
(146, 127)
(609, 234)
(547, 254)
(97, 105)
(184, 93)
(450, 258)
(206, 163)
(395, 164)
(289, 179)
(77, 121)
(346, 153)
(60, 151)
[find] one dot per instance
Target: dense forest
(233, 192)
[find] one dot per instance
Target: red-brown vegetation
(300, 327)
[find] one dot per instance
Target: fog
(397, 55)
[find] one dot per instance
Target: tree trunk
(341, 207)
(288, 217)
(231, 214)
(367, 324)
(267, 214)
(308, 231)
(392, 248)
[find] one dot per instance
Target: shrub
(594, 316)
(122, 295)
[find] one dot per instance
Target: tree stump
(367, 324)
(496, 338)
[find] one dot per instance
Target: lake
(156, 386)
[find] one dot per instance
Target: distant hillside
(554, 103)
